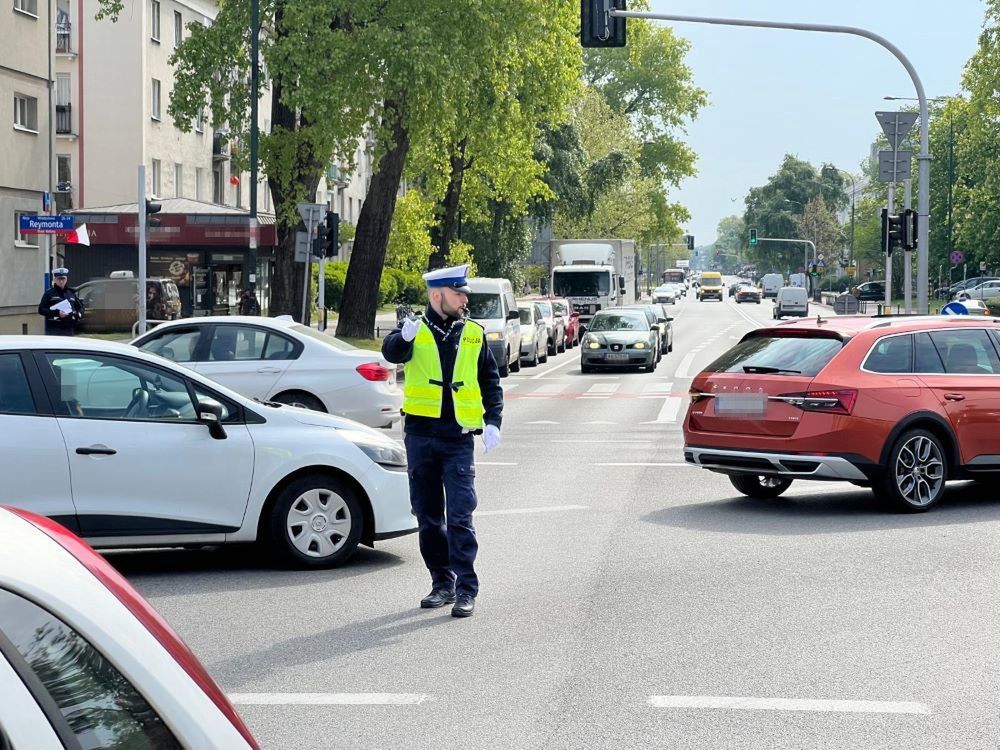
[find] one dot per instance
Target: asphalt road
(623, 596)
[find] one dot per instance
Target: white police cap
(60, 271)
(452, 278)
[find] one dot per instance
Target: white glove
(491, 437)
(410, 328)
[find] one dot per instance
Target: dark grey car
(620, 338)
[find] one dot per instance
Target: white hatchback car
(277, 359)
(128, 449)
(85, 662)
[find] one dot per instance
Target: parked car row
(548, 326)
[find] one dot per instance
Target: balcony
(64, 42)
(64, 200)
(220, 149)
(64, 119)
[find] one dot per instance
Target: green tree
(409, 239)
(819, 224)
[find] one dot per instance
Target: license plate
(617, 355)
(741, 404)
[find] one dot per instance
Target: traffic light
(910, 229)
(690, 241)
(330, 233)
(753, 237)
(597, 27)
(892, 231)
(152, 207)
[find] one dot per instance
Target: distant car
(534, 334)
(85, 662)
(555, 324)
(949, 292)
(870, 291)
(622, 337)
(986, 290)
(770, 284)
(733, 288)
(976, 307)
(131, 450)
(492, 305)
(659, 317)
(664, 294)
(273, 359)
(111, 305)
(710, 285)
(571, 320)
(747, 293)
(791, 300)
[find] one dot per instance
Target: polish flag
(79, 236)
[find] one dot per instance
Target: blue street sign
(45, 224)
(821, 263)
(954, 308)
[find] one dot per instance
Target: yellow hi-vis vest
(423, 390)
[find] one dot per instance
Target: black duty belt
(454, 386)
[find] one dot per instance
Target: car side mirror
(210, 414)
(621, 284)
(513, 315)
(670, 319)
(662, 320)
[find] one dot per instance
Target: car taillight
(102, 570)
(373, 371)
(831, 401)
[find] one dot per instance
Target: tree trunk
(364, 272)
(443, 232)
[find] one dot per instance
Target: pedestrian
(60, 306)
(451, 392)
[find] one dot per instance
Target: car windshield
(582, 283)
(525, 314)
(619, 322)
(483, 306)
(775, 354)
(560, 308)
(325, 338)
(546, 309)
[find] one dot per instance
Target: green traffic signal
(753, 236)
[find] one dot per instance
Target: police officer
(451, 392)
(60, 322)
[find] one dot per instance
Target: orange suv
(901, 405)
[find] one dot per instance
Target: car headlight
(494, 336)
(527, 336)
(640, 344)
(386, 453)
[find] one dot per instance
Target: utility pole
(254, 136)
(140, 212)
(907, 256)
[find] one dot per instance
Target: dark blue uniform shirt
(448, 334)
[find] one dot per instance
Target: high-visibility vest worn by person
(423, 390)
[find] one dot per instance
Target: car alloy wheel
(316, 521)
(759, 486)
(915, 478)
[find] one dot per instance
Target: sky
(809, 94)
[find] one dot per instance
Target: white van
(791, 300)
(492, 305)
(770, 284)
(797, 279)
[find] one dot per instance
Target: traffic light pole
(923, 158)
(140, 212)
(808, 244)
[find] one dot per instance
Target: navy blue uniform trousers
(443, 495)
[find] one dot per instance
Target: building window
(27, 6)
(154, 20)
(267, 197)
(199, 121)
(25, 113)
(178, 180)
(218, 186)
(23, 240)
(199, 180)
(178, 28)
(156, 178)
(155, 112)
(64, 184)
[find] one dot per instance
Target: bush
(414, 289)
(336, 273)
(993, 303)
(390, 286)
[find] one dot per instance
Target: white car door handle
(269, 370)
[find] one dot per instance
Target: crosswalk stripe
(550, 389)
(663, 388)
(604, 388)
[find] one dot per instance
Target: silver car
(620, 338)
(534, 334)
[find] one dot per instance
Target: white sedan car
(85, 662)
(128, 449)
(277, 359)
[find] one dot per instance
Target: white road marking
(569, 361)
(638, 463)
(517, 511)
(604, 388)
(509, 386)
(495, 463)
(787, 704)
(603, 442)
(542, 421)
(682, 368)
(328, 699)
(549, 389)
(663, 388)
(668, 413)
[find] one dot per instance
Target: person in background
(60, 322)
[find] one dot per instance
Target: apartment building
(25, 134)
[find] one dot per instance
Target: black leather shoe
(464, 607)
(437, 598)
